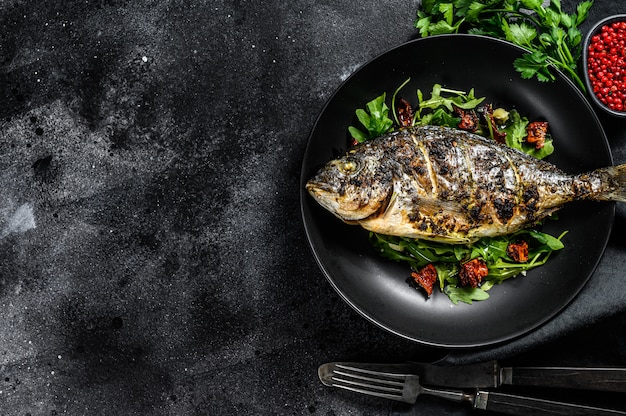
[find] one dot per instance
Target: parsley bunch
(550, 34)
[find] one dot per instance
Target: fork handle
(519, 405)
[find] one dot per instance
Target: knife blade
(491, 375)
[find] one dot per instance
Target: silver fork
(407, 388)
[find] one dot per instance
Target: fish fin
(388, 203)
(613, 186)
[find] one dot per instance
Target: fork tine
(373, 383)
(385, 385)
(369, 392)
(393, 376)
(355, 374)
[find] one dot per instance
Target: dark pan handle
(518, 405)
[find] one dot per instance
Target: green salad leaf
(375, 119)
(438, 110)
(516, 134)
(448, 257)
(465, 294)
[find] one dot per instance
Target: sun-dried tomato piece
(469, 119)
(499, 136)
(426, 278)
(487, 114)
(518, 251)
(405, 113)
(537, 131)
(473, 272)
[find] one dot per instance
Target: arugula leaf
(516, 134)
(551, 242)
(465, 294)
(446, 274)
(438, 102)
(515, 130)
(546, 150)
(447, 258)
(357, 134)
(440, 117)
(376, 120)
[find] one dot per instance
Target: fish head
(353, 187)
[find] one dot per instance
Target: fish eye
(348, 167)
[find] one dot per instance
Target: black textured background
(152, 256)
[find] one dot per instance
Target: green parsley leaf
(521, 34)
(532, 4)
(582, 11)
(474, 10)
(575, 36)
(546, 31)
(423, 24)
(441, 28)
(448, 12)
(429, 5)
(534, 65)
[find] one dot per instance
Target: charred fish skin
(354, 186)
(449, 185)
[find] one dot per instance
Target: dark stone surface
(152, 256)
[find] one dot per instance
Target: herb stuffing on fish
(456, 190)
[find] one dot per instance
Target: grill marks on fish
(497, 186)
(449, 182)
(449, 185)
(473, 185)
(455, 186)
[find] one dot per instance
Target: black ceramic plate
(376, 287)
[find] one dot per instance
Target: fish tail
(613, 183)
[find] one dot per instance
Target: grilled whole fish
(449, 185)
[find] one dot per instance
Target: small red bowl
(619, 84)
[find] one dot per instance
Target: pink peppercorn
(606, 65)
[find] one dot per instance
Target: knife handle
(518, 405)
(599, 379)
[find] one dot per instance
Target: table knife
(492, 374)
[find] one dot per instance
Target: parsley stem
(517, 14)
(570, 71)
